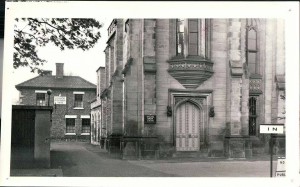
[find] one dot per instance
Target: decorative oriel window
(253, 115)
(191, 65)
(41, 99)
(252, 46)
(70, 125)
(192, 37)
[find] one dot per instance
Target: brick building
(192, 87)
(70, 97)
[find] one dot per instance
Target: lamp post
(49, 92)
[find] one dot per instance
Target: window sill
(78, 108)
(70, 134)
(85, 133)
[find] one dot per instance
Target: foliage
(62, 32)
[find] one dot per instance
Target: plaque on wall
(150, 119)
(59, 100)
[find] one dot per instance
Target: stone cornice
(236, 69)
(149, 64)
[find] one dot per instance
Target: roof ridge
(51, 82)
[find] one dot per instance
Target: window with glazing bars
(180, 37)
(70, 125)
(41, 99)
(252, 116)
(251, 46)
(86, 127)
(194, 35)
(78, 100)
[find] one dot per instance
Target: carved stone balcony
(190, 71)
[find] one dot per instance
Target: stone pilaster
(236, 68)
(280, 71)
(236, 144)
(245, 83)
(219, 56)
(164, 130)
(269, 59)
(134, 81)
(117, 89)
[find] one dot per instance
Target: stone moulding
(127, 66)
(255, 84)
(190, 71)
(105, 93)
(280, 82)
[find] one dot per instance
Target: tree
(62, 32)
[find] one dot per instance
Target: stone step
(190, 154)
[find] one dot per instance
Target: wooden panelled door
(187, 121)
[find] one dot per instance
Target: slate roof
(51, 82)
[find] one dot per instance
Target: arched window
(252, 116)
(251, 46)
(192, 37)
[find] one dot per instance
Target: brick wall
(58, 127)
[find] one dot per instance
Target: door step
(190, 154)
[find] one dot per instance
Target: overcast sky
(76, 62)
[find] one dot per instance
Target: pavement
(81, 159)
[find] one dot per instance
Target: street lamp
(49, 92)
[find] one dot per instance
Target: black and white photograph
(99, 93)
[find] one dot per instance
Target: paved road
(82, 159)
(78, 159)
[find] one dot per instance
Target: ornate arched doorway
(187, 126)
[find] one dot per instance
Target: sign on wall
(280, 171)
(60, 100)
(150, 119)
(271, 128)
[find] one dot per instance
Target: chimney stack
(59, 70)
(47, 72)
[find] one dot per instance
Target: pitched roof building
(69, 95)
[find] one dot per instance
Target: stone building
(193, 87)
(97, 130)
(70, 97)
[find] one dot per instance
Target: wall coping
(32, 107)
